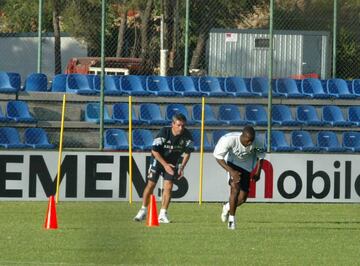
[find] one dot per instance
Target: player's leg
(166, 197)
(234, 194)
(152, 178)
(242, 197)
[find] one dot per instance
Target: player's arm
(258, 168)
(185, 160)
(235, 175)
(169, 168)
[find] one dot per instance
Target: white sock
(227, 206)
(231, 218)
(162, 211)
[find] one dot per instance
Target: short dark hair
(250, 131)
(180, 117)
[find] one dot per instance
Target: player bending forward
(237, 153)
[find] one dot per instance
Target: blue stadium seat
(236, 86)
(209, 117)
(328, 141)
(9, 138)
(255, 114)
(259, 86)
(185, 86)
(301, 140)
(351, 141)
(196, 134)
(281, 115)
(133, 85)
(150, 113)
(210, 86)
(112, 85)
(92, 113)
(338, 88)
(142, 139)
(115, 139)
(355, 87)
(332, 115)
(288, 88)
(36, 82)
(313, 88)
(120, 114)
(9, 82)
(174, 108)
(58, 83)
(37, 138)
(354, 115)
(18, 111)
(81, 84)
(307, 115)
(230, 114)
(278, 141)
(159, 86)
(217, 134)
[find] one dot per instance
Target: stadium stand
(333, 116)
(92, 114)
(338, 88)
(18, 111)
(115, 139)
(278, 141)
(255, 114)
(120, 114)
(142, 139)
(150, 114)
(133, 85)
(9, 138)
(351, 141)
(196, 134)
(236, 86)
(185, 86)
(282, 116)
(159, 86)
(81, 84)
(328, 141)
(307, 115)
(313, 88)
(37, 138)
(112, 85)
(210, 86)
(230, 114)
(59, 83)
(36, 82)
(301, 140)
(288, 88)
(209, 116)
(9, 82)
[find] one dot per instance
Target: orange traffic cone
(51, 220)
(152, 217)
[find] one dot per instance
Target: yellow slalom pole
(60, 148)
(201, 148)
(130, 149)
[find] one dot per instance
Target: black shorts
(155, 171)
(244, 177)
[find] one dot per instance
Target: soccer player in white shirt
(238, 153)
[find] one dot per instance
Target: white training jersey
(230, 149)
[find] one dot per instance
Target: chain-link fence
(224, 42)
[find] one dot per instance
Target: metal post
(334, 40)
(186, 37)
(39, 36)
(102, 77)
(270, 74)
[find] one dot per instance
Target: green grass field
(103, 233)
